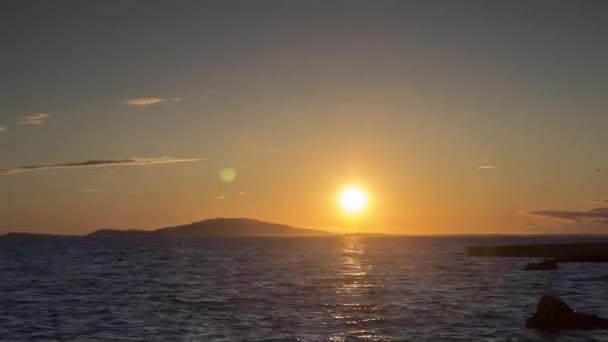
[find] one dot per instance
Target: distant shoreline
(247, 228)
(591, 251)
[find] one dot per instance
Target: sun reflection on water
(355, 312)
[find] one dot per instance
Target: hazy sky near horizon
(455, 116)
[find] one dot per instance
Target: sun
(353, 200)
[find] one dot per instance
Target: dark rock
(545, 265)
(552, 313)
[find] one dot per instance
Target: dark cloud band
(596, 214)
(99, 163)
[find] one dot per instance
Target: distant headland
(216, 227)
(561, 252)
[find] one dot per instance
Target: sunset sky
(454, 116)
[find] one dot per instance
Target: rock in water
(545, 265)
(552, 313)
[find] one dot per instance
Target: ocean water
(281, 289)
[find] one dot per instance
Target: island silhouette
(215, 227)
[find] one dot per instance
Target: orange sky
(456, 117)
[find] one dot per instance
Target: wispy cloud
(33, 119)
(596, 214)
(3, 129)
(94, 191)
(100, 163)
(483, 165)
(147, 101)
(89, 191)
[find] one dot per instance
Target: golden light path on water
(355, 308)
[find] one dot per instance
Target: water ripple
(318, 289)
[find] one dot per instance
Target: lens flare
(227, 174)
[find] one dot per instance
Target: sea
(344, 288)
